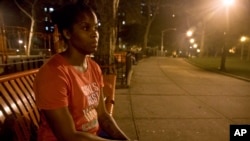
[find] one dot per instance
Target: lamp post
(242, 39)
(227, 4)
(162, 35)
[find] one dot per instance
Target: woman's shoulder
(54, 64)
(94, 65)
(92, 61)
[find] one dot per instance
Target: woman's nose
(95, 34)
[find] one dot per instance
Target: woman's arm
(107, 122)
(63, 127)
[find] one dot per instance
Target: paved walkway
(171, 100)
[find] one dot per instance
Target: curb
(217, 71)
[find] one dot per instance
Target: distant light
(189, 33)
(99, 24)
(232, 50)
(173, 15)
(17, 50)
(198, 50)
(228, 2)
(20, 41)
(195, 45)
(191, 40)
(46, 19)
(243, 38)
(48, 9)
(51, 9)
(123, 22)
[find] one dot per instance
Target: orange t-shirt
(59, 84)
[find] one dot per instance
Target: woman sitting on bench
(68, 88)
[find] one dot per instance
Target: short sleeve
(97, 72)
(51, 88)
(101, 76)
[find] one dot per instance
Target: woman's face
(84, 35)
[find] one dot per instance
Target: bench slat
(16, 99)
(5, 109)
(20, 94)
(31, 79)
(28, 87)
(2, 118)
(9, 100)
(27, 105)
(27, 94)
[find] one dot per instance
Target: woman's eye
(88, 28)
(85, 28)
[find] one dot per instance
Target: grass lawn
(233, 65)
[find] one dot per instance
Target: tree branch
(23, 10)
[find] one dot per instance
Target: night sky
(188, 14)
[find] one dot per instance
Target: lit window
(51, 9)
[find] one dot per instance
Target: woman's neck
(74, 58)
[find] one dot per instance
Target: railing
(122, 64)
(20, 63)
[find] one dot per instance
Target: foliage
(132, 34)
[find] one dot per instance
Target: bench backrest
(17, 96)
(17, 100)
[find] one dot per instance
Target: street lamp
(162, 35)
(189, 33)
(242, 39)
(227, 4)
(195, 45)
(191, 40)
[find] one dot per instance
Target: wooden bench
(18, 111)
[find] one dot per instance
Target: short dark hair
(66, 16)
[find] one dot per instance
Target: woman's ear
(66, 34)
